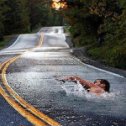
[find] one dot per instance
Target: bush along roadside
(115, 57)
(7, 41)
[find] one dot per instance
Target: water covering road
(33, 77)
(8, 116)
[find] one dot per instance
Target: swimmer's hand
(62, 80)
(70, 79)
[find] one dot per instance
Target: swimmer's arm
(83, 82)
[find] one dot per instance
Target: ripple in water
(108, 103)
(77, 90)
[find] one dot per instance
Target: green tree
(2, 18)
(17, 17)
(87, 17)
(38, 11)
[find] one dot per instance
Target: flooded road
(34, 77)
(8, 116)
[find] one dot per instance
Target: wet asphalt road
(33, 77)
(8, 116)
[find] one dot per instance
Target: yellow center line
(29, 107)
(22, 101)
(22, 111)
(41, 40)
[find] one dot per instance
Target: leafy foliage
(3, 9)
(17, 16)
(101, 25)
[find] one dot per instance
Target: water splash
(77, 90)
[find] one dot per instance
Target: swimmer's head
(103, 84)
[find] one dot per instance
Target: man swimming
(98, 87)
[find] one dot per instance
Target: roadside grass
(9, 39)
(36, 30)
(6, 41)
(114, 56)
(112, 52)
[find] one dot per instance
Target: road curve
(30, 116)
(33, 77)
